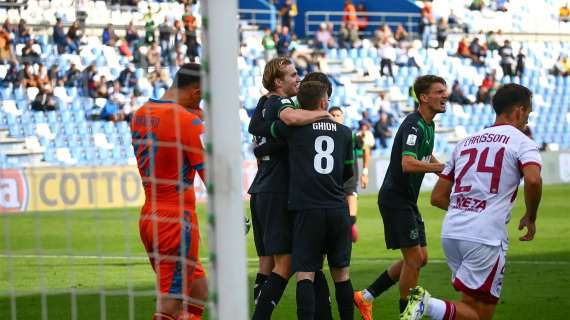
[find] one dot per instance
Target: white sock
(367, 295)
(436, 308)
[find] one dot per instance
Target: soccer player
(350, 187)
(271, 220)
(321, 159)
(477, 188)
(410, 160)
(166, 140)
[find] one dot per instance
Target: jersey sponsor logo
(286, 101)
(412, 138)
(469, 204)
(14, 193)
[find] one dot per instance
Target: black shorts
(403, 224)
(272, 223)
(318, 232)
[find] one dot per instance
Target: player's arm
(257, 125)
(433, 159)
(441, 192)
(300, 117)
(365, 162)
(412, 165)
(532, 196)
(270, 147)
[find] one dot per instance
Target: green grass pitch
(88, 287)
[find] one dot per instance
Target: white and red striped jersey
(486, 169)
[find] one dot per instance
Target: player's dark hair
(320, 77)
(509, 96)
(423, 84)
(335, 108)
(274, 70)
(310, 94)
(187, 75)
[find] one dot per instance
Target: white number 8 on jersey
(324, 146)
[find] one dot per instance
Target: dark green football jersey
(414, 138)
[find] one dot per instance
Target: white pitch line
(252, 260)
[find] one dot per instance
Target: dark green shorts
(403, 224)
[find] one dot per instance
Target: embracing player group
(303, 199)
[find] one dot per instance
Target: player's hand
(363, 181)
(530, 228)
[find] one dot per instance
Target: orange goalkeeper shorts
(171, 242)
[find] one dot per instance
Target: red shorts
(171, 242)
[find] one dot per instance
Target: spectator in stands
(442, 31)
(29, 78)
(124, 50)
(43, 78)
(486, 89)
(127, 77)
(109, 36)
(153, 54)
(456, 24)
(463, 49)
(103, 87)
(362, 18)
(478, 51)
(287, 12)
(401, 36)
(165, 32)
(387, 54)
(457, 95)
(28, 54)
(179, 33)
(191, 38)
(45, 100)
(24, 33)
(564, 13)
(323, 38)
(12, 77)
(382, 103)
(507, 59)
(427, 23)
(383, 32)
(59, 36)
(74, 35)
(54, 76)
(111, 112)
(283, 42)
(72, 77)
(366, 118)
(130, 107)
(268, 43)
(366, 134)
(519, 71)
(477, 5)
(562, 67)
(149, 36)
(159, 77)
(131, 35)
(501, 5)
(348, 35)
(117, 96)
(349, 12)
(89, 82)
(382, 128)
(6, 53)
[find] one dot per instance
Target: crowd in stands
(167, 45)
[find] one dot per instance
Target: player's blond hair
(274, 69)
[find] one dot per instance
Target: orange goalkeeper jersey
(169, 152)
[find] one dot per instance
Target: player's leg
(322, 297)
(305, 296)
(266, 262)
(343, 292)
(195, 306)
(277, 240)
(339, 249)
(309, 237)
(413, 260)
